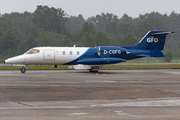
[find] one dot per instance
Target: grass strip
(61, 67)
(106, 67)
(138, 67)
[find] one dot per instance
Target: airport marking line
(120, 91)
(47, 92)
(120, 116)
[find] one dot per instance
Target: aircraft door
(49, 55)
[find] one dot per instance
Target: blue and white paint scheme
(91, 58)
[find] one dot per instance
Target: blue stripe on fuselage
(73, 62)
(92, 53)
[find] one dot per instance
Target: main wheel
(23, 70)
(92, 70)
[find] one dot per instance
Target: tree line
(54, 27)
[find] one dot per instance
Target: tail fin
(153, 40)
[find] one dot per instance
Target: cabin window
(32, 51)
(70, 52)
(77, 52)
(63, 52)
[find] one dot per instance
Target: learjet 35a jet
(91, 58)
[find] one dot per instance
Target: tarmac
(80, 95)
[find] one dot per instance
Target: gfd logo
(150, 40)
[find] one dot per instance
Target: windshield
(32, 51)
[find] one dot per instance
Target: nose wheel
(23, 70)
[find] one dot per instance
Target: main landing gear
(94, 69)
(23, 70)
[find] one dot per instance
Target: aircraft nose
(14, 60)
(6, 61)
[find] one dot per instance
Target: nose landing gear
(23, 70)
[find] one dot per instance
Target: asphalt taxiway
(78, 94)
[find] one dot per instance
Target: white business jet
(91, 58)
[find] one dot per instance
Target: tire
(92, 70)
(23, 70)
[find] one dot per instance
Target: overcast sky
(89, 8)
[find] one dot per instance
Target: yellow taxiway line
(47, 92)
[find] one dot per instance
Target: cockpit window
(32, 51)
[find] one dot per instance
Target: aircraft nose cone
(6, 61)
(15, 60)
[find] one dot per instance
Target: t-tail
(153, 40)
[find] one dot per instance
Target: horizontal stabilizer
(161, 33)
(153, 54)
(95, 61)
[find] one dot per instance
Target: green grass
(61, 67)
(137, 67)
(106, 67)
(145, 60)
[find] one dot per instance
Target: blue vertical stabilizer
(153, 41)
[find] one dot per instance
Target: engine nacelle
(106, 51)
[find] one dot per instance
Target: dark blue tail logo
(153, 40)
